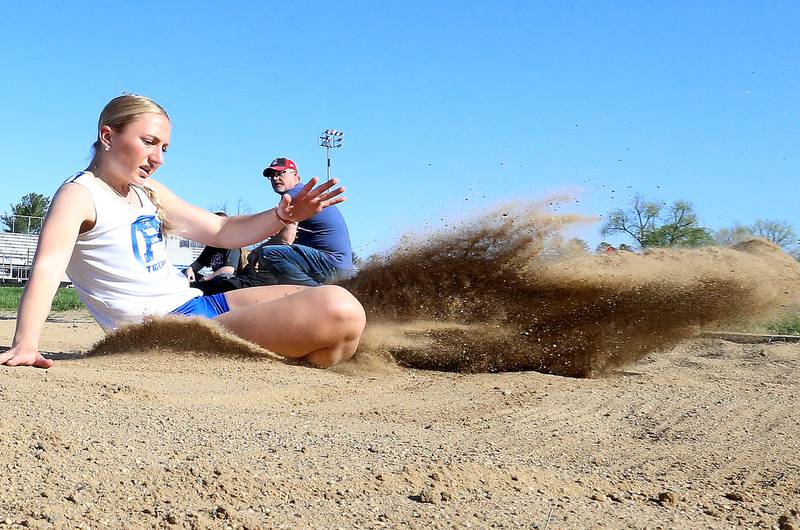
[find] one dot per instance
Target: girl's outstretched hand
(310, 200)
(24, 356)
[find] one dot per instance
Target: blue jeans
(298, 265)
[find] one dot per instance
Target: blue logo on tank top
(147, 242)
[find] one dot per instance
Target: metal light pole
(330, 139)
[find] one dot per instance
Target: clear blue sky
(447, 106)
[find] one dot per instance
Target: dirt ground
(702, 436)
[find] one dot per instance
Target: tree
(27, 215)
(731, 236)
(241, 208)
(779, 232)
(571, 248)
(637, 222)
(577, 246)
(651, 225)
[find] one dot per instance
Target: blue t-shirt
(327, 232)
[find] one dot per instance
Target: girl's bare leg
(319, 324)
(248, 296)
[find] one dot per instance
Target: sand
(704, 435)
(504, 380)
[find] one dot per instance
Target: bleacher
(182, 252)
(16, 256)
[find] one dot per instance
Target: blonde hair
(166, 226)
(244, 252)
(117, 114)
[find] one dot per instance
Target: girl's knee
(344, 309)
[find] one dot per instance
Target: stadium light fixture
(330, 139)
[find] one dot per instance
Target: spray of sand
(178, 334)
(504, 292)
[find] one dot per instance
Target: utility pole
(330, 139)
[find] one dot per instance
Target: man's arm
(284, 237)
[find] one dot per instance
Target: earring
(106, 147)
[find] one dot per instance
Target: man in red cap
(283, 175)
(313, 252)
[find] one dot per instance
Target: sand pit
(703, 435)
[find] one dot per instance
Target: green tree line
(651, 223)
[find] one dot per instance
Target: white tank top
(120, 267)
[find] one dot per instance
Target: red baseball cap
(279, 164)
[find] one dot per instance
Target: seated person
(313, 252)
(317, 250)
(223, 262)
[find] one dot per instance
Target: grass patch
(66, 298)
(789, 325)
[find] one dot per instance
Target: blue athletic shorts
(203, 306)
